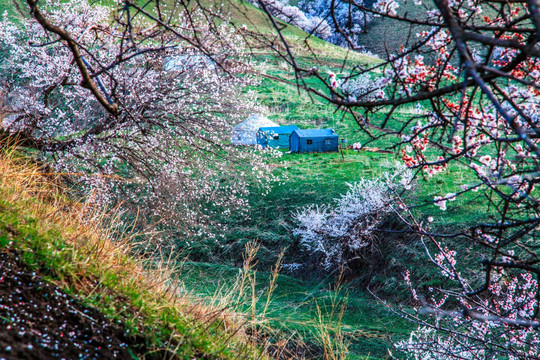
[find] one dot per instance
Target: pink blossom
(440, 202)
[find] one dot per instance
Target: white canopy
(245, 133)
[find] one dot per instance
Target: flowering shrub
(362, 87)
(135, 131)
(337, 234)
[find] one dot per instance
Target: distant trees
(471, 69)
(136, 103)
(312, 23)
(346, 20)
(338, 22)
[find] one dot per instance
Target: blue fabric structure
(275, 136)
(314, 140)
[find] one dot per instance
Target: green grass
(320, 178)
(7, 8)
(38, 221)
(298, 302)
(297, 308)
(317, 179)
(302, 307)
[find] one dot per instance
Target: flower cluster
(162, 158)
(363, 88)
(332, 80)
(388, 7)
(334, 234)
(440, 201)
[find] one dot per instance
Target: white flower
(450, 197)
(440, 202)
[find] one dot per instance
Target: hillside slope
(68, 288)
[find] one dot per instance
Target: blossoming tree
(471, 69)
(136, 102)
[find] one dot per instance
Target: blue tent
(314, 140)
(275, 136)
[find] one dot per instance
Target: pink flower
(450, 197)
(332, 80)
(440, 202)
(486, 159)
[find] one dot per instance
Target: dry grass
(85, 252)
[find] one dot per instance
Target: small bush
(351, 229)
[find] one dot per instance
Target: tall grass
(80, 249)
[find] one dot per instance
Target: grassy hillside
(67, 246)
(302, 44)
(386, 36)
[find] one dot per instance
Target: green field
(318, 179)
(303, 309)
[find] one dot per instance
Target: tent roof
(254, 122)
(245, 133)
(279, 129)
(315, 132)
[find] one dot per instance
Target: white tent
(245, 133)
